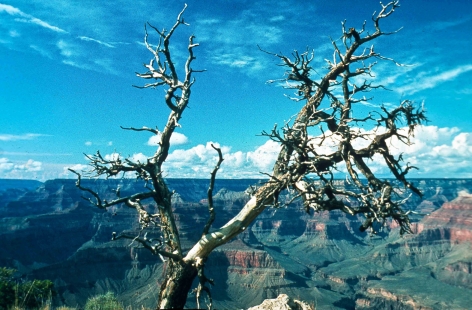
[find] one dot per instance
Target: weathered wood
(328, 106)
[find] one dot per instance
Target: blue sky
(68, 68)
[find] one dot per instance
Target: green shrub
(33, 294)
(7, 288)
(106, 301)
(29, 294)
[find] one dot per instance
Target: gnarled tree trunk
(177, 283)
(306, 162)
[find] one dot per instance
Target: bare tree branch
(211, 208)
(154, 131)
(153, 245)
(321, 140)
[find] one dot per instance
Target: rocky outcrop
(282, 302)
(453, 221)
(412, 289)
(429, 270)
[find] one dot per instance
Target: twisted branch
(211, 209)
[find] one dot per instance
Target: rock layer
(50, 232)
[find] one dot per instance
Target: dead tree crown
(318, 143)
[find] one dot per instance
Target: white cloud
(196, 162)
(76, 167)
(426, 80)
(200, 153)
(176, 139)
(136, 157)
(19, 170)
(199, 161)
(425, 140)
(139, 158)
(83, 38)
(41, 51)
(9, 9)
(232, 46)
(5, 165)
(263, 158)
(80, 168)
(66, 49)
(29, 166)
(27, 136)
(26, 18)
(437, 152)
(88, 143)
(112, 156)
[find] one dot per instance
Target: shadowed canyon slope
(48, 231)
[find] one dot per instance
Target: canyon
(47, 231)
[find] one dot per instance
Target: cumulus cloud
(29, 166)
(112, 156)
(263, 158)
(176, 139)
(199, 161)
(5, 165)
(76, 167)
(200, 152)
(65, 173)
(445, 152)
(21, 170)
(138, 158)
(135, 158)
(437, 152)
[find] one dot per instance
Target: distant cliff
(48, 231)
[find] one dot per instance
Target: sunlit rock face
(48, 231)
(429, 270)
(453, 221)
(282, 302)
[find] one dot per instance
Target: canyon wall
(48, 231)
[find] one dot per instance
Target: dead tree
(318, 142)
